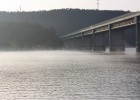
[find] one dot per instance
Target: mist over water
(69, 75)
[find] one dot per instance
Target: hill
(27, 36)
(41, 28)
(62, 20)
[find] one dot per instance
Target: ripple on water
(66, 75)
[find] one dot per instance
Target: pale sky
(35, 5)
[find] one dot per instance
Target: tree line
(62, 20)
(27, 36)
(42, 29)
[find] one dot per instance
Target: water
(69, 75)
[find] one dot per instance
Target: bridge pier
(66, 44)
(78, 43)
(70, 44)
(88, 42)
(116, 39)
(137, 34)
(99, 42)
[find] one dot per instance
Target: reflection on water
(67, 75)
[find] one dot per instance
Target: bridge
(93, 37)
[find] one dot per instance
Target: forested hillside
(63, 20)
(42, 29)
(27, 36)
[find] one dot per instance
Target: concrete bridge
(93, 37)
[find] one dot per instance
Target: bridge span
(93, 37)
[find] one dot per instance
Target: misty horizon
(31, 5)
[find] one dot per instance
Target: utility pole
(20, 8)
(98, 4)
(19, 5)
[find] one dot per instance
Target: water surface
(69, 75)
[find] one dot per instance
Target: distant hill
(62, 20)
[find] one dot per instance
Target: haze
(35, 5)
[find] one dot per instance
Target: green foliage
(27, 36)
(62, 20)
(41, 29)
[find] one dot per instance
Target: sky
(35, 5)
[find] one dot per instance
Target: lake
(69, 75)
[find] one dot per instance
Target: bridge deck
(107, 22)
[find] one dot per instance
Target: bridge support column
(66, 44)
(98, 42)
(69, 43)
(87, 42)
(78, 43)
(116, 39)
(73, 43)
(82, 41)
(137, 34)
